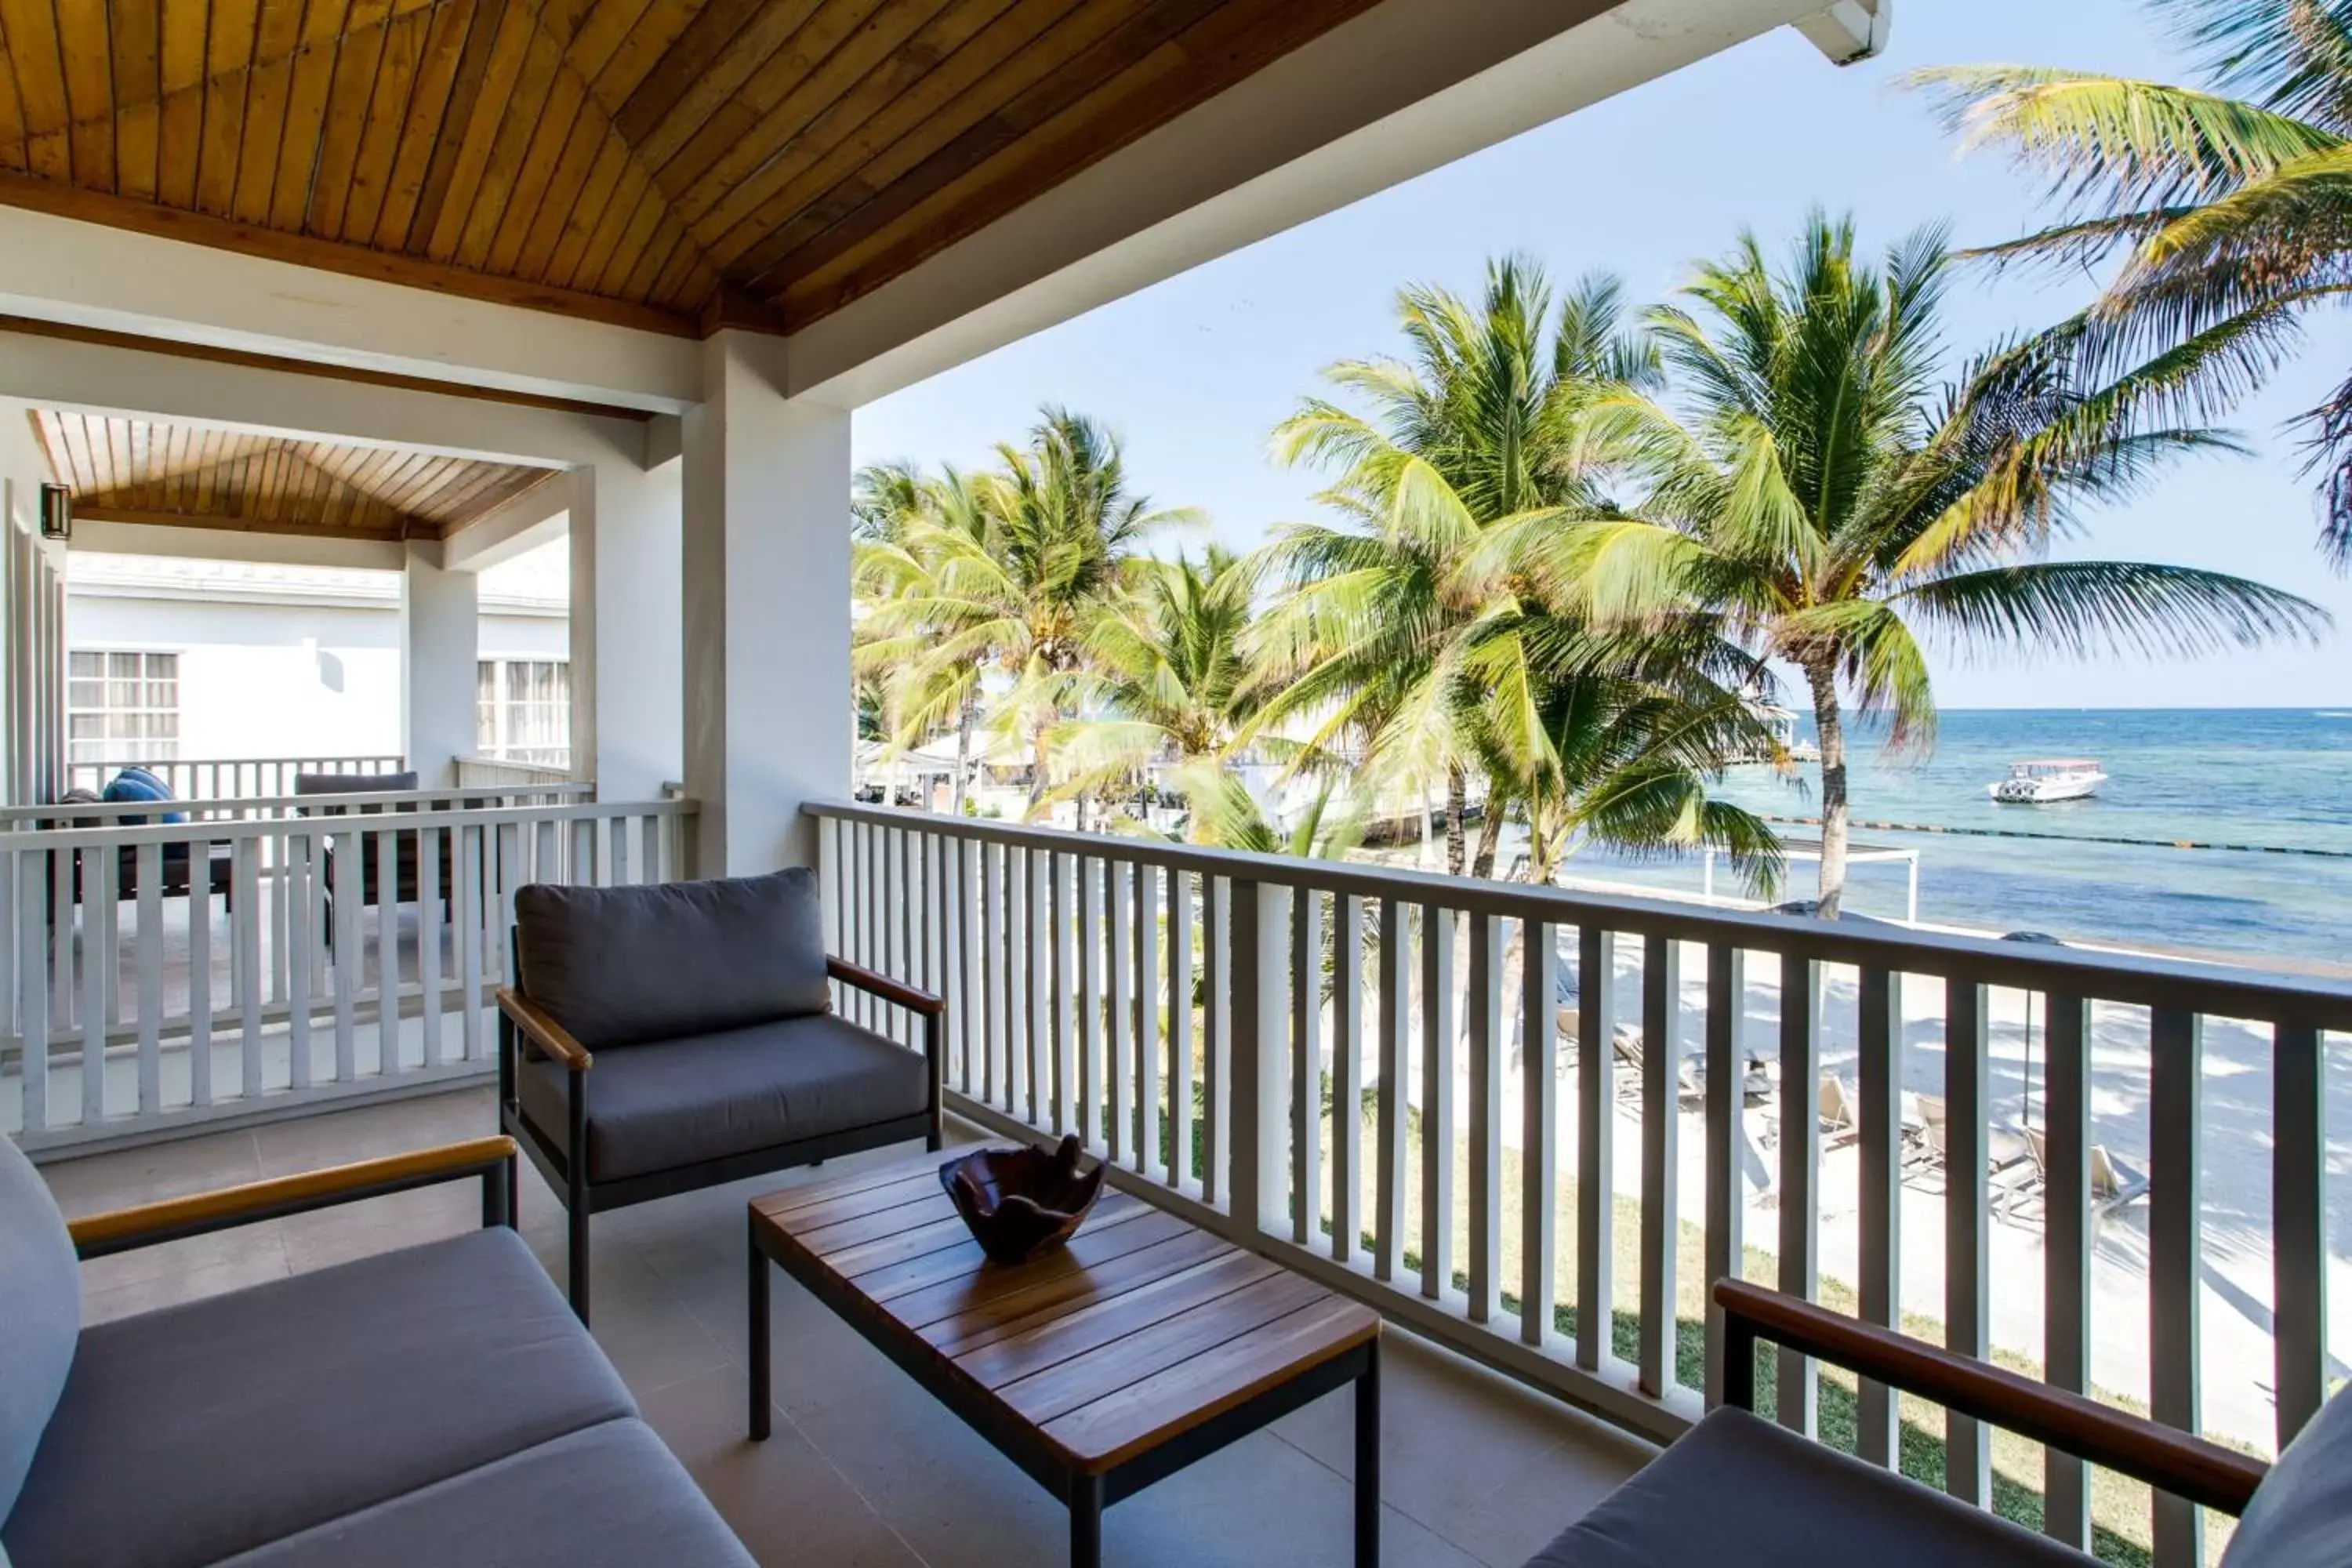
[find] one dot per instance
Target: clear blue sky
(1195, 371)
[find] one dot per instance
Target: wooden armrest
(542, 1030)
(882, 985)
(145, 1224)
(2165, 1457)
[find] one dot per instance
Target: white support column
(440, 637)
(767, 690)
(627, 650)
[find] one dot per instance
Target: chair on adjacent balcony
(404, 848)
(705, 1010)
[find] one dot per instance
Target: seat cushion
(201, 1430)
(2302, 1513)
(1738, 1489)
(617, 966)
(609, 1497)
(40, 1314)
(681, 1102)
(139, 785)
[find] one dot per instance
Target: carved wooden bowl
(1020, 1204)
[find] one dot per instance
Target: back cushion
(2302, 1513)
(618, 966)
(40, 1314)
(352, 783)
(139, 785)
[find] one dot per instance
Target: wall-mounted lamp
(56, 512)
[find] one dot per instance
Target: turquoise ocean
(2276, 777)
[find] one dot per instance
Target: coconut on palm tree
(1815, 486)
(2230, 209)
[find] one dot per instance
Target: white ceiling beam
(107, 380)
(1405, 87)
(91, 275)
(91, 538)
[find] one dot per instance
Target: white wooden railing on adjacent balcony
(505, 771)
(254, 962)
(1060, 954)
(227, 778)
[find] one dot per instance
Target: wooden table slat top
(1143, 1328)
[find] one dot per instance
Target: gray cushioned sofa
(1738, 1488)
(437, 1404)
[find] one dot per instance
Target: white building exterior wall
(282, 662)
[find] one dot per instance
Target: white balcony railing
(227, 778)
(1182, 1009)
(254, 962)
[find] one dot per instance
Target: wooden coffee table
(1145, 1344)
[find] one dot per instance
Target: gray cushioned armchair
(680, 1034)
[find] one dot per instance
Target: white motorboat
(2047, 779)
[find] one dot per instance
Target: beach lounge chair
(1929, 1146)
(1841, 1118)
(2115, 1184)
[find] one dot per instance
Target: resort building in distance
(584, 982)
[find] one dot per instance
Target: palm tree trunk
(1457, 807)
(963, 754)
(1822, 677)
(1038, 761)
(1490, 834)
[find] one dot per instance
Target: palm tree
(1818, 492)
(2228, 207)
(1165, 674)
(1003, 574)
(1371, 636)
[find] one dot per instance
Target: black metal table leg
(1085, 1521)
(759, 1329)
(1368, 1459)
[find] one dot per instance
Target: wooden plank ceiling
(666, 163)
(130, 471)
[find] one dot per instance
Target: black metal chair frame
(566, 1167)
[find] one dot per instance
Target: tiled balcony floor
(865, 1468)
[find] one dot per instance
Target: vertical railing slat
(1968, 1220)
(2299, 1225)
(34, 940)
(1042, 967)
(244, 876)
(1661, 1158)
(430, 845)
(1596, 1116)
(149, 956)
(1347, 1075)
(995, 1005)
(1801, 1153)
(1144, 1144)
(1261, 962)
(1181, 1035)
(1062, 1042)
(2176, 1146)
(1216, 1035)
(200, 976)
(2066, 1254)
(1436, 1101)
(1538, 1128)
(1306, 1065)
(1484, 1129)
(1119, 934)
(1880, 1015)
(1086, 884)
(1727, 1141)
(1390, 1156)
(296, 887)
(350, 900)
(470, 871)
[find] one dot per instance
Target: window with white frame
(123, 706)
(523, 709)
